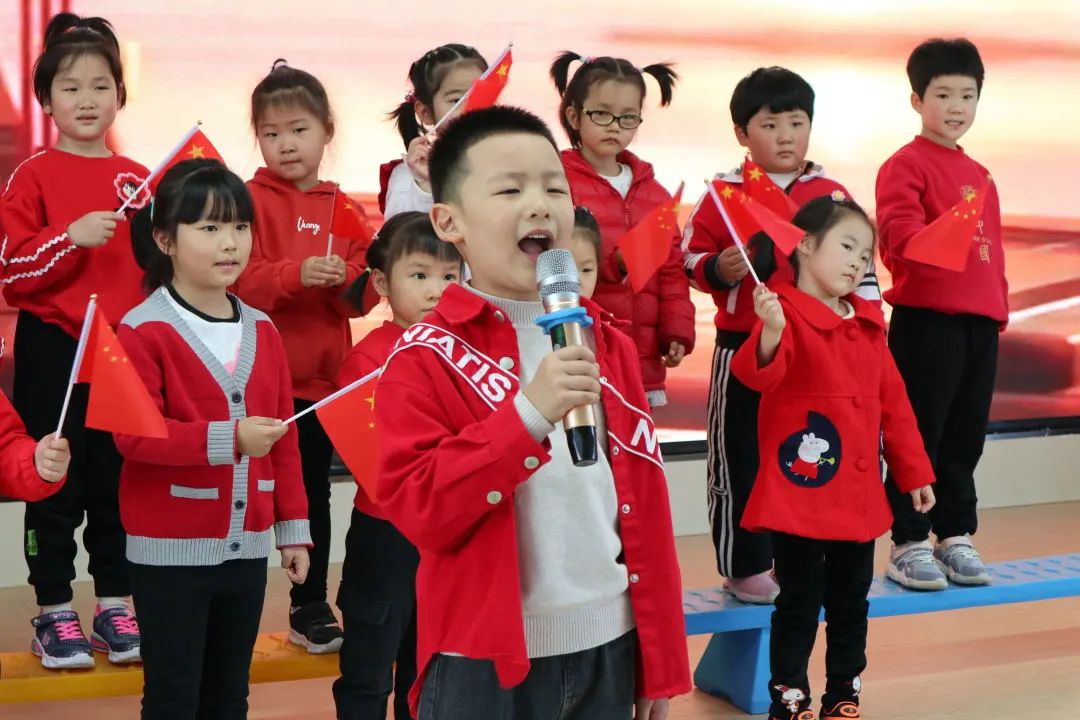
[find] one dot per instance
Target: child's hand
(93, 229)
(767, 306)
(256, 435)
(652, 709)
(731, 265)
(923, 499)
(51, 458)
(566, 378)
(318, 271)
(296, 562)
(675, 354)
(417, 161)
(338, 264)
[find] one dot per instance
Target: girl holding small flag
(439, 79)
(198, 506)
(64, 241)
(410, 268)
(601, 112)
(299, 266)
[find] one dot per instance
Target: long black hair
(426, 76)
(69, 36)
(819, 216)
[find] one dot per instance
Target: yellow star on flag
(503, 69)
(196, 151)
(371, 402)
(755, 174)
(727, 192)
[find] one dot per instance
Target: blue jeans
(596, 684)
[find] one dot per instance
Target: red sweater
(188, 499)
(915, 186)
(19, 477)
(44, 273)
(453, 448)
(706, 236)
(291, 226)
(830, 388)
(367, 356)
(662, 312)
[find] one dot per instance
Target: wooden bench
(23, 680)
(735, 665)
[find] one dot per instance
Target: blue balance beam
(735, 665)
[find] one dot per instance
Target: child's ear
(573, 117)
(162, 241)
(742, 137)
(916, 102)
(424, 112)
(447, 224)
(381, 283)
(805, 246)
(330, 133)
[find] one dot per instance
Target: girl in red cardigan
(828, 384)
(62, 242)
(601, 112)
(296, 276)
(198, 506)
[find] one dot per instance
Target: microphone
(565, 321)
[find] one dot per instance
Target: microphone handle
(580, 422)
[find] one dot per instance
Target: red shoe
(843, 710)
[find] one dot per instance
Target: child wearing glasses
(601, 112)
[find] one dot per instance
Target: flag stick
(464, 98)
(731, 230)
(329, 244)
(160, 166)
(331, 398)
(76, 366)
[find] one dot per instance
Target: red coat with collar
(662, 312)
(291, 226)
(706, 236)
(831, 385)
(452, 451)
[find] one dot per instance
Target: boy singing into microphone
(544, 589)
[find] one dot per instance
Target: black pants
(316, 452)
(43, 358)
(813, 574)
(732, 465)
(949, 363)
(199, 626)
(377, 600)
(596, 684)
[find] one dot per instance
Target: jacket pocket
(265, 485)
(193, 493)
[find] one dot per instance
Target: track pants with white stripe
(732, 464)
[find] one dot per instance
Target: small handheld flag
(347, 219)
(646, 246)
(487, 88)
(731, 227)
(946, 242)
(193, 145)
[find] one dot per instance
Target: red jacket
(366, 356)
(824, 396)
(662, 312)
(45, 273)
(19, 477)
(188, 499)
(920, 182)
(291, 226)
(452, 451)
(706, 236)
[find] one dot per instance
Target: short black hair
(585, 222)
(818, 216)
(446, 164)
(775, 88)
(938, 56)
(187, 190)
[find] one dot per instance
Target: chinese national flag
(197, 147)
(486, 90)
(750, 217)
(349, 220)
(759, 186)
(946, 242)
(119, 401)
(349, 422)
(647, 245)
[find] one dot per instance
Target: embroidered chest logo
(128, 185)
(810, 458)
(479, 371)
(302, 225)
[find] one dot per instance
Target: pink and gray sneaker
(760, 589)
(116, 632)
(59, 641)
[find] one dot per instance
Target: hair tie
(410, 97)
(586, 59)
(838, 196)
(280, 62)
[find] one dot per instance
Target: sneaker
(913, 566)
(961, 561)
(760, 589)
(314, 628)
(59, 641)
(116, 632)
(843, 710)
(801, 715)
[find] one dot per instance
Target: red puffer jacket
(661, 313)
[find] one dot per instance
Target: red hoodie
(291, 226)
(662, 312)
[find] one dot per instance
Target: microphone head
(557, 274)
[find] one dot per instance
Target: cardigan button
(494, 497)
(531, 463)
(499, 316)
(861, 465)
(237, 398)
(626, 509)
(615, 450)
(506, 363)
(235, 547)
(239, 504)
(634, 577)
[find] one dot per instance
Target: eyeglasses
(603, 118)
